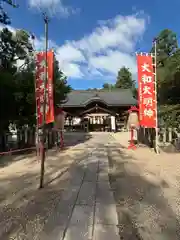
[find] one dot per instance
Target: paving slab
(104, 193)
(93, 166)
(52, 209)
(87, 194)
(103, 166)
(78, 232)
(76, 177)
(106, 214)
(56, 223)
(105, 232)
(103, 176)
(90, 176)
(82, 215)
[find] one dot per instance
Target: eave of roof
(121, 97)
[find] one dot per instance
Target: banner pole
(156, 104)
(43, 152)
(37, 125)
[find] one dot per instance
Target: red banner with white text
(39, 86)
(146, 91)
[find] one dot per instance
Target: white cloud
(39, 44)
(69, 59)
(69, 53)
(9, 27)
(120, 32)
(71, 69)
(104, 51)
(53, 7)
(113, 61)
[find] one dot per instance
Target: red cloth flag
(146, 91)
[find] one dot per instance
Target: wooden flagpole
(155, 86)
(155, 91)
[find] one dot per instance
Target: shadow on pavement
(143, 211)
(46, 214)
(70, 139)
(74, 138)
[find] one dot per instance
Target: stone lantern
(59, 125)
(133, 124)
(133, 118)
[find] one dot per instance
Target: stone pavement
(87, 210)
(147, 191)
(77, 202)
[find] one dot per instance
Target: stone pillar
(164, 135)
(170, 135)
(113, 123)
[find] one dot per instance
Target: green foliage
(166, 45)
(7, 99)
(17, 90)
(108, 86)
(168, 78)
(4, 18)
(13, 47)
(124, 79)
(169, 115)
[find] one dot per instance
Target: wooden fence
(24, 139)
(167, 136)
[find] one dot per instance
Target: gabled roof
(117, 97)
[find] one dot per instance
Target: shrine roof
(117, 97)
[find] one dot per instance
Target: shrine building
(98, 110)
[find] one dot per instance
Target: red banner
(146, 91)
(40, 78)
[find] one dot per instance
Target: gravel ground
(147, 191)
(25, 209)
(146, 188)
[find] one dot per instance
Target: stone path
(147, 191)
(77, 201)
(90, 211)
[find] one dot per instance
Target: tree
(13, 47)
(168, 78)
(17, 85)
(167, 45)
(124, 79)
(108, 86)
(92, 89)
(4, 18)
(25, 93)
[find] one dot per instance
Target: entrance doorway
(99, 122)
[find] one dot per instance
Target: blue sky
(93, 39)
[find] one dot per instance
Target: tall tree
(4, 18)
(14, 47)
(167, 45)
(108, 86)
(124, 79)
(168, 75)
(18, 104)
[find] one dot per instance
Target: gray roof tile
(114, 97)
